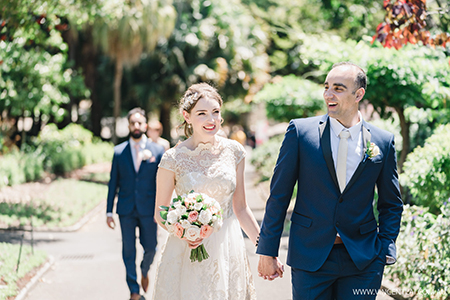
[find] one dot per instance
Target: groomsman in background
(133, 178)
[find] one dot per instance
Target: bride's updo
(194, 93)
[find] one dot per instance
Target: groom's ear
(359, 94)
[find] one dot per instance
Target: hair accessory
(189, 100)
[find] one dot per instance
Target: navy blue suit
(321, 210)
(135, 205)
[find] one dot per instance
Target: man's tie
(341, 165)
(138, 160)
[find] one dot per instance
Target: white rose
(217, 224)
(205, 216)
(198, 205)
(375, 151)
(146, 154)
(185, 224)
(177, 204)
(172, 216)
(170, 227)
(192, 233)
(181, 210)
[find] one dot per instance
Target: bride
(210, 164)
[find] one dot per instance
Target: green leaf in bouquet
(185, 216)
(199, 198)
(163, 214)
(164, 207)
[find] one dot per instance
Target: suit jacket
(136, 190)
(321, 210)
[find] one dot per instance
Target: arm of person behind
(112, 192)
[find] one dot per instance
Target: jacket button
(337, 224)
(341, 200)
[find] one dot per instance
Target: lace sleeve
(168, 160)
(239, 152)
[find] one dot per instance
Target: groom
(133, 178)
(337, 246)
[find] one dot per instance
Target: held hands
(270, 268)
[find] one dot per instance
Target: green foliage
(291, 98)
(9, 255)
(35, 76)
(18, 167)
(264, 157)
(71, 148)
(427, 171)
(62, 204)
(423, 253)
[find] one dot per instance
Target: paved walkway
(88, 264)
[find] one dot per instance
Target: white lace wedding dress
(225, 275)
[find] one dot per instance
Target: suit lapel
(366, 136)
(325, 142)
(129, 156)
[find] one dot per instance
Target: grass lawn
(58, 204)
(11, 278)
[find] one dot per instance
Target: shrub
(423, 253)
(291, 97)
(427, 171)
(264, 157)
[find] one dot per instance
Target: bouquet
(193, 216)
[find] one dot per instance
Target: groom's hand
(270, 267)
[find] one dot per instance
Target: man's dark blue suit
(321, 210)
(135, 205)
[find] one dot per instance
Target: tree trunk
(117, 85)
(164, 118)
(404, 131)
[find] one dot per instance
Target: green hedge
(264, 157)
(427, 171)
(55, 151)
(423, 254)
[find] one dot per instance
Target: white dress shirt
(142, 142)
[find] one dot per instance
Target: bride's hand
(194, 244)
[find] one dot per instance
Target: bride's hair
(194, 93)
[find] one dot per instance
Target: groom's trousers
(147, 238)
(339, 278)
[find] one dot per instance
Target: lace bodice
(209, 169)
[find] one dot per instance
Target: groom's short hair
(361, 78)
(136, 110)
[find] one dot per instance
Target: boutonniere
(147, 155)
(371, 151)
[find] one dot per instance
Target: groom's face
(341, 94)
(137, 126)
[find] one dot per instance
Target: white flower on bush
(198, 206)
(172, 216)
(205, 217)
(185, 224)
(192, 233)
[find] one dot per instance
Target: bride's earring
(189, 126)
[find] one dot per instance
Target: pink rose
(178, 230)
(193, 216)
(205, 231)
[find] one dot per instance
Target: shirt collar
(338, 127)
(142, 142)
